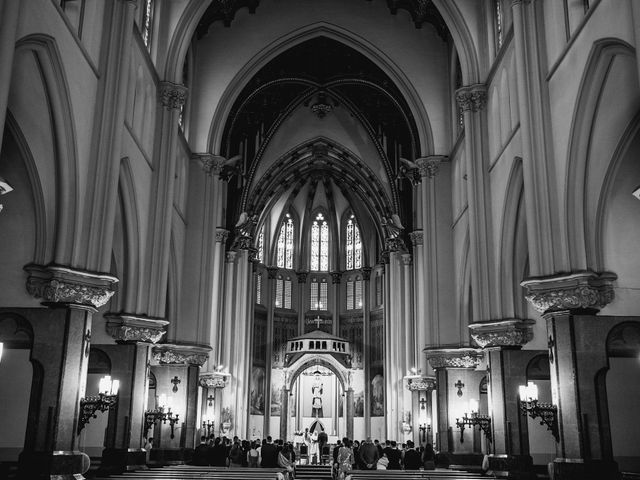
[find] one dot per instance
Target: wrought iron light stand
(208, 424)
(482, 421)
(547, 412)
(106, 399)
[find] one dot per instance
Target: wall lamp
(107, 398)
(475, 420)
(159, 414)
(529, 404)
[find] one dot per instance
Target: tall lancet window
(147, 22)
(285, 244)
(320, 244)
(354, 245)
(499, 22)
(260, 246)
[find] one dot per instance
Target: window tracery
(285, 244)
(353, 246)
(320, 244)
(147, 22)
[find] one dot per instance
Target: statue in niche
(316, 400)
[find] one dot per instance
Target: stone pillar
(507, 367)
(421, 389)
(60, 354)
(272, 273)
(124, 439)
(172, 98)
(9, 14)
(212, 383)
(336, 278)
(458, 382)
(350, 411)
(176, 368)
(106, 150)
(366, 346)
(284, 414)
(584, 449)
(472, 100)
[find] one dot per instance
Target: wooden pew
(189, 472)
(439, 474)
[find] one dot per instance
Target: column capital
(580, 291)
(180, 354)
(213, 379)
(172, 95)
(417, 237)
(472, 98)
(420, 383)
(127, 328)
(366, 273)
(453, 357)
(221, 235)
(58, 284)
(336, 277)
(231, 256)
(273, 271)
(429, 166)
(502, 333)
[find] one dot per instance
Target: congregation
(347, 455)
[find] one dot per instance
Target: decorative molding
(472, 98)
(211, 164)
(419, 383)
(272, 272)
(173, 354)
(395, 244)
(125, 328)
(221, 235)
(582, 291)
(502, 333)
(231, 256)
(57, 284)
(366, 273)
(172, 95)
(456, 357)
(336, 277)
(406, 259)
(417, 237)
(213, 380)
(429, 166)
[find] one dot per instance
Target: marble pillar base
(579, 469)
(170, 456)
(61, 465)
(518, 467)
(118, 460)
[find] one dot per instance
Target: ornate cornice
(173, 354)
(418, 383)
(472, 98)
(211, 164)
(502, 333)
(416, 237)
(580, 291)
(56, 284)
(213, 380)
(456, 357)
(126, 328)
(172, 95)
(429, 166)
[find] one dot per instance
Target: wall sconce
(481, 421)
(175, 380)
(547, 413)
(107, 398)
(459, 385)
(152, 416)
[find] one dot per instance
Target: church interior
(387, 219)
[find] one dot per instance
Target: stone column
(458, 382)
(176, 368)
(584, 449)
(60, 354)
(421, 389)
(124, 439)
(9, 14)
(507, 367)
(272, 273)
(284, 414)
(472, 99)
(349, 411)
(366, 345)
(172, 98)
(106, 148)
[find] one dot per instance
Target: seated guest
(412, 460)
(286, 460)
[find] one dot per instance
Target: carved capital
(366, 273)
(231, 256)
(581, 291)
(221, 235)
(416, 237)
(56, 284)
(395, 245)
(213, 380)
(418, 383)
(336, 277)
(173, 354)
(406, 259)
(503, 333)
(272, 272)
(130, 328)
(211, 164)
(472, 98)
(457, 357)
(172, 95)
(429, 166)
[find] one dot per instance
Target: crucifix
(175, 382)
(210, 399)
(459, 386)
(318, 321)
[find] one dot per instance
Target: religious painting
(377, 396)
(358, 404)
(277, 384)
(256, 402)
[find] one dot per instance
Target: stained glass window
(147, 22)
(259, 288)
(354, 293)
(320, 244)
(353, 245)
(285, 244)
(283, 292)
(318, 294)
(349, 294)
(379, 297)
(260, 246)
(314, 295)
(287, 293)
(499, 21)
(279, 290)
